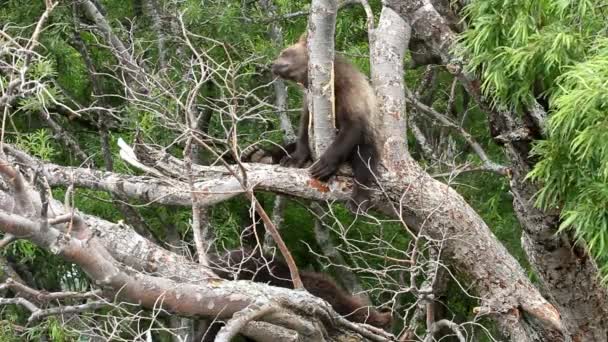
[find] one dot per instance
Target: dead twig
(240, 319)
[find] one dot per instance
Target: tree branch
(44, 296)
(240, 319)
(448, 122)
(437, 326)
(221, 299)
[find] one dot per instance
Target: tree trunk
(321, 101)
(568, 274)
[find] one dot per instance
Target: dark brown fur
(243, 264)
(355, 103)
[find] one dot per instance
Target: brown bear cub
(355, 104)
(244, 264)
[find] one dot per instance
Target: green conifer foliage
(558, 49)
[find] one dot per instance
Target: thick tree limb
(262, 331)
(31, 307)
(211, 188)
(218, 298)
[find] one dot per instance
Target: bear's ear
(303, 38)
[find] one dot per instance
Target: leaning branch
(18, 287)
(69, 309)
(218, 299)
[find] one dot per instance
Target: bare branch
(277, 219)
(240, 319)
(50, 6)
(447, 324)
(369, 15)
(6, 240)
(20, 301)
(448, 122)
(262, 331)
(62, 310)
(421, 140)
(46, 296)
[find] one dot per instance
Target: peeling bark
(321, 73)
(388, 42)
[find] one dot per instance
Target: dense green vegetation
(556, 50)
(523, 49)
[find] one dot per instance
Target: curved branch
(18, 287)
(214, 184)
(437, 326)
(240, 319)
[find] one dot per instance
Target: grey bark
(321, 101)
(388, 44)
